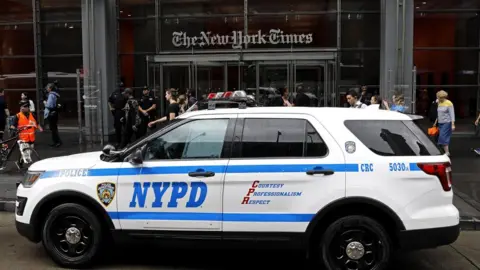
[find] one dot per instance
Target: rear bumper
(428, 238)
(27, 231)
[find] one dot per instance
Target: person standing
(365, 97)
(116, 103)
(352, 99)
(131, 118)
(51, 114)
(445, 120)
(4, 113)
(24, 98)
(147, 107)
(301, 99)
(173, 109)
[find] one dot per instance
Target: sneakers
(476, 151)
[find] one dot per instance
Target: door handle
(201, 174)
(320, 171)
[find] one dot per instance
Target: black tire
(68, 216)
(344, 232)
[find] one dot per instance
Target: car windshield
(158, 127)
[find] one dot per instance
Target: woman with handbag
(445, 120)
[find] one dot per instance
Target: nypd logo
(106, 193)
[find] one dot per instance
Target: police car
(349, 187)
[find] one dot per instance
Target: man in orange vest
(26, 124)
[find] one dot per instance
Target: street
(18, 253)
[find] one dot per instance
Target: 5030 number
(398, 167)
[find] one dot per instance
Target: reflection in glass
(60, 10)
(446, 29)
(137, 36)
(210, 79)
(16, 40)
(63, 69)
(16, 11)
(61, 38)
(277, 6)
(446, 4)
(360, 67)
(310, 77)
(194, 8)
(17, 73)
(361, 30)
(136, 8)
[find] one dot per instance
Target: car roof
(323, 114)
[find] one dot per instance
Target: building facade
(409, 47)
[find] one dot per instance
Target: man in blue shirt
(4, 113)
(51, 114)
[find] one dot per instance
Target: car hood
(77, 161)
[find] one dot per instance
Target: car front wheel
(356, 243)
(72, 235)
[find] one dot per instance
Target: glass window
(273, 138)
(361, 30)
(16, 11)
(199, 139)
(63, 70)
(392, 138)
(446, 67)
(133, 70)
(314, 146)
(446, 4)
(282, 6)
(61, 38)
(360, 68)
(200, 33)
(361, 5)
(137, 36)
(60, 10)
(293, 31)
(136, 8)
(17, 73)
(195, 8)
(446, 29)
(16, 40)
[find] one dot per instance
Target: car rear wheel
(72, 235)
(356, 243)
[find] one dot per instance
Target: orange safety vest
(28, 134)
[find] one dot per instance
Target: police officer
(116, 103)
(147, 110)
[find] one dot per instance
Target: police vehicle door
(180, 183)
(283, 170)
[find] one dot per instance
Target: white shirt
(32, 105)
(359, 105)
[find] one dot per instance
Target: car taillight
(211, 95)
(442, 170)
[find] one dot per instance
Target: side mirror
(108, 149)
(136, 158)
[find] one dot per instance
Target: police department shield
(350, 147)
(106, 193)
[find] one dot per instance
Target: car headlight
(30, 178)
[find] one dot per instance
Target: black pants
(2, 128)
(53, 124)
(128, 132)
(117, 124)
(142, 130)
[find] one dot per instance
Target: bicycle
(28, 154)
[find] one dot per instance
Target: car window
(198, 139)
(392, 137)
(314, 145)
(277, 138)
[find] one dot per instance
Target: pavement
(19, 253)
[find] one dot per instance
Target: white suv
(347, 186)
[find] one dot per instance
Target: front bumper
(28, 231)
(428, 238)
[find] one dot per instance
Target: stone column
(99, 25)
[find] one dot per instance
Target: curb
(7, 206)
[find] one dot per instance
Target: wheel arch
(355, 206)
(49, 202)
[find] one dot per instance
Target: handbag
(433, 131)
